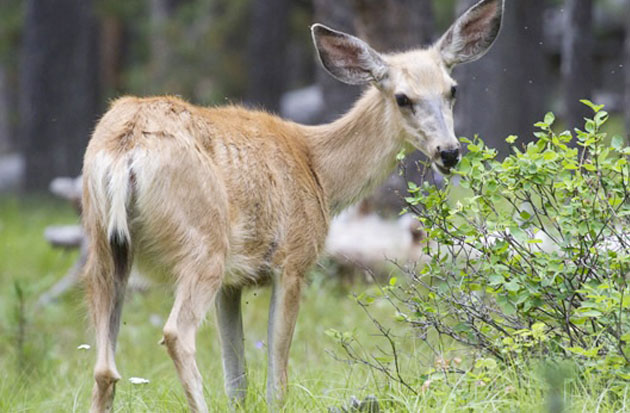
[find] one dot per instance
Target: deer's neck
(357, 152)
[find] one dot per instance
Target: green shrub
(531, 262)
(535, 257)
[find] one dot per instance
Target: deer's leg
(283, 311)
(106, 289)
(197, 287)
(230, 323)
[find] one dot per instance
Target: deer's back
(237, 177)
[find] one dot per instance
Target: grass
(43, 371)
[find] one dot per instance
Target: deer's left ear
(471, 36)
(348, 58)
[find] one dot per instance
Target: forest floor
(42, 369)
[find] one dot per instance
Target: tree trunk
(505, 92)
(395, 25)
(163, 75)
(577, 60)
(266, 53)
(10, 34)
(159, 12)
(58, 88)
(112, 45)
(5, 111)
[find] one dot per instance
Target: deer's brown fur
(222, 198)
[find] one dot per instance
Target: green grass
(43, 371)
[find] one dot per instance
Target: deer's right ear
(347, 58)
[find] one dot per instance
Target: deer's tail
(108, 186)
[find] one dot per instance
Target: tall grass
(43, 371)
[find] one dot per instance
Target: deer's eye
(453, 92)
(402, 100)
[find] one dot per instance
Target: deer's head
(416, 85)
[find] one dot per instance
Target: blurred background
(62, 61)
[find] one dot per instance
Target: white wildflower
(138, 380)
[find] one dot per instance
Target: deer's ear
(471, 36)
(348, 58)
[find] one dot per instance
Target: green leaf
(518, 233)
(550, 118)
(601, 118)
(384, 359)
(512, 286)
(550, 155)
(511, 139)
(486, 363)
(617, 142)
(505, 304)
(583, 352)
(589, 126)
(594, 107)
(590, 313)
(495, 279)
(464, 166)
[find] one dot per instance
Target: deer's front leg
(283, 311)
(229, 319)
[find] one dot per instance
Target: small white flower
(138, 380)
(83, 347)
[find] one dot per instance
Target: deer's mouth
(441, 169)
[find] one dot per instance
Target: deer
(223, 198)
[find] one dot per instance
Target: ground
(44, 371)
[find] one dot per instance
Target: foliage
(534, 260)
(11, 21)
(56, 373)
(216, 28)
(525, 272)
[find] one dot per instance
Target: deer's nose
(450, 157)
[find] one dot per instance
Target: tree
(58, 89)
(10, 28)
(114, 43)
(266, 53)
(5, 110)
(395, 25)
(505, 92)
(577, 59)
(159, 13)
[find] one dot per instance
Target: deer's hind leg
(283, 312)
(198, 282)
(230, 324)
(106, 280)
